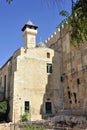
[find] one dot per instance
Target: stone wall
(32, 82)
(73, 71)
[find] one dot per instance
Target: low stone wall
(46, 125)
(5, 126)
(9, 126)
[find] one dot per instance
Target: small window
(70, 102)
(69, 95)
(26, 106)
(61, 78)
(75, 97)
(49, 68)
(68, 87)
(78, 81)
(48, 55)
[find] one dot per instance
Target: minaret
(29, 34)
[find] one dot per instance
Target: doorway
(48, 107)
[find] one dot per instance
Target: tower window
(48, 55)
(27, 106)
(49, 68)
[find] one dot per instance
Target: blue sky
(13, 17)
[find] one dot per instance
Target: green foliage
(80, 10)
(24, 117)
(3, 107)
(34, 128)
(64, 13)
(78, 22)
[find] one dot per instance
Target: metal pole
(14, 119)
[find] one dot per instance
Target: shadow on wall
(52, 93)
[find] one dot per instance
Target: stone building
(30, 79)
(73, 71)
(45, 79)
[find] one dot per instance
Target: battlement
(60, 32)
(53, 38)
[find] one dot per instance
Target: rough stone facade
(45, 81)
(30, 79)
(73, 72)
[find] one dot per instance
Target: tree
(77, 20)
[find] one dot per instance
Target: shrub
(34, 128)
(3, 107)
(24, 117)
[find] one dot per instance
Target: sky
(13, 16)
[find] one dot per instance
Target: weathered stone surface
(27, 79)
(73, 72)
